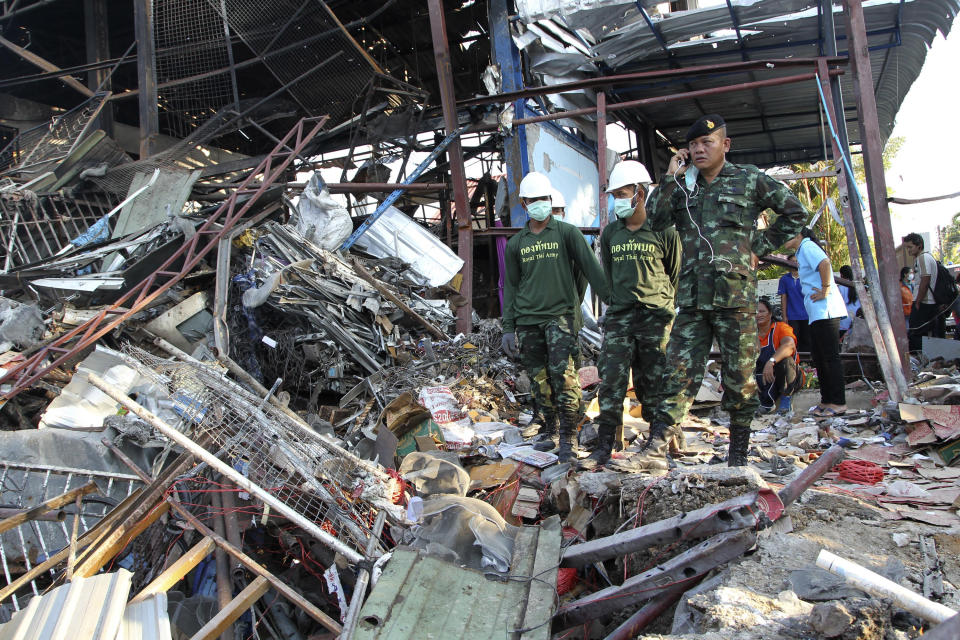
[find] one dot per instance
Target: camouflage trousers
(549, 353)
(690, 341)
(632, 340)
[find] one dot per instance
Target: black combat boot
(547, 438)
(739, 444)
(602, 450)
(568, 438)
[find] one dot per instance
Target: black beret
(705, 126)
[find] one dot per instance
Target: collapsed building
(252, 275)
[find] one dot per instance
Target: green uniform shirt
(540, 283)
(642, 266)
(726, 212)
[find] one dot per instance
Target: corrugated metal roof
(84, 608)
(774, 125)
(146, 620)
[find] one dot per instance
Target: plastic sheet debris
(432, 475)
(319, 218)
(466, 531)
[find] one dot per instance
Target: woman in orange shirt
(777, 371)
(906, 296)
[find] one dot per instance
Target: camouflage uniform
(717, 294)
(541, 304)
(642, 268)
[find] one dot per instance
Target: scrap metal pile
(217, 421)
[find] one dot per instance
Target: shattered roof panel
(774, 125)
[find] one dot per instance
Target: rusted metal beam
(191, 252)
(458, 176)
(602, 156)
(811, 474)
(741, 512)
(375, 187)
(501, 232)
(686, 95)
(872, 146)
(680, 569)
(636, 623)
(631, 78)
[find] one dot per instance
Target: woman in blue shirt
(825, 309)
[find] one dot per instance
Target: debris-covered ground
(229, 421)
(346, 439)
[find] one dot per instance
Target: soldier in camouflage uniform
(642, 267)
(715, 205)
(541, 304)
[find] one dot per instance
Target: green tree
(951, 241)
(812, 192)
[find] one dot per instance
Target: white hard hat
(628, 172)
(557, 199)
(535, 185)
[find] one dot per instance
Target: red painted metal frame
(192, 251)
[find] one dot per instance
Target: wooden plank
(106, 551)
(91, 537)
(95, 557)
(175, 572)
(282, 587)
(219, 623)
(379, 604)
(541, 597)
(46, 65)
(49, 505)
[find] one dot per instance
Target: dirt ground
(755, 598)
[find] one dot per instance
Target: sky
(928, 118)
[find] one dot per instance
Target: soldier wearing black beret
(715, 205)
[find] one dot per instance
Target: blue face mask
(557, 218)
(539, 210)
(623, 207)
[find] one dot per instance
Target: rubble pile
(222, 411)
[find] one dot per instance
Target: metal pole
(363, 579)
(224, 579)
(235, 476)
(505, 54)
(651, 611)
(811, 474)
(458, 176)
(147, 76)
(875, 314)
(872, 146)
(602, 156)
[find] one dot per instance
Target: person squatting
(678, 271)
